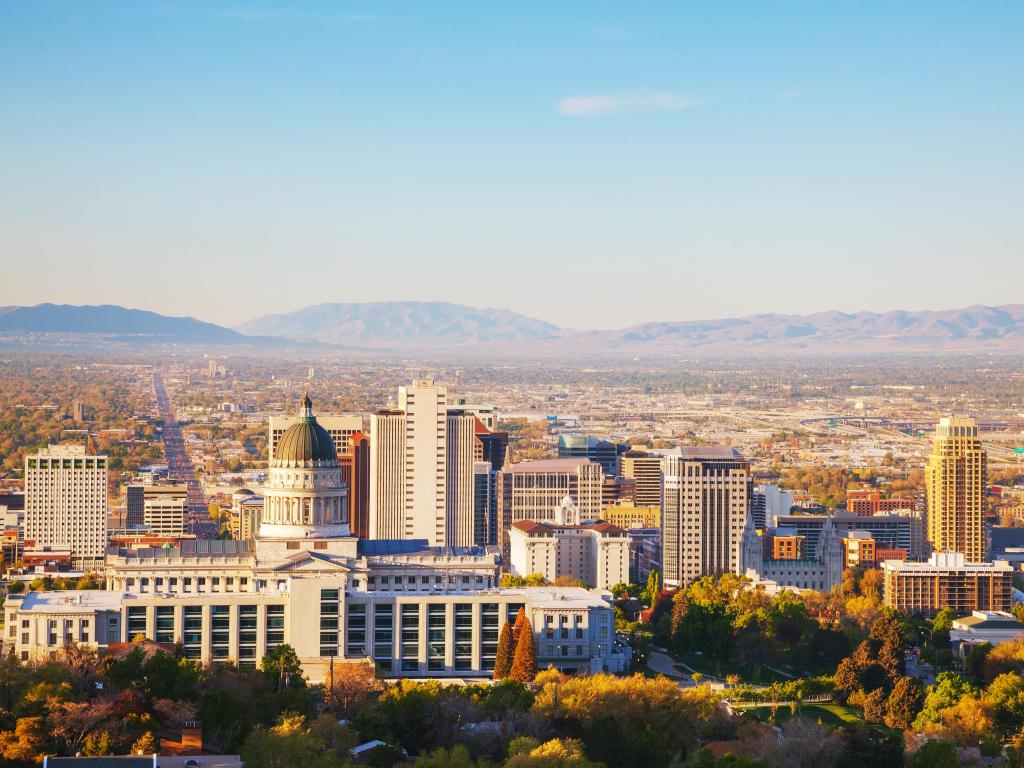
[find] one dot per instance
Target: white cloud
(612, 104)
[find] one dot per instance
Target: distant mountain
(976, 328)
(109, 319)
(403, 325)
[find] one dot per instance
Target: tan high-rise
(954, 481)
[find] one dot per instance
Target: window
(136, 621)
(328, 622)
(192, 639)
(275, 625)
(247, 628)
(164, 624)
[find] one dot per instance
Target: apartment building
(954, 480)
(947, 580)
(66, 502)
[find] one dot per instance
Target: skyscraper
(706, 497)
(954, 481)
(388, 477)
(459, 472)
(66, 502)
(425, 405)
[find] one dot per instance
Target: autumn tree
(505, 654)
(524, 662)
(902, 704)
(145, 744)
(355, 686)
(517, 628)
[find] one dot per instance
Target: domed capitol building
(414, 609)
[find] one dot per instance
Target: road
(179, 465)
(922, 671)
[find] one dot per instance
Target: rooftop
(72, 601)
(705, 452)
(536, 526)
(546, 465)
(988, 620)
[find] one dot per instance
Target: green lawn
(719, 669)
(829, 714)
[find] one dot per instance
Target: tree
(505, 654)
(943, 620)
(355, 686)
(289, 743)
(1006, 694)
(887, 644)
(1005, 657)
(653, 588)
(524, 663)
(902, 704)
(974, 662)
(935, 753)
(89, 581)
(557, 753)
(26, 743)
(145, 744)
(16, 587)
(949, 688)
(517, 628)
(282, 664)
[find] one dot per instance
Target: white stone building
(594, 553)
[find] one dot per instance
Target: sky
(593, 164)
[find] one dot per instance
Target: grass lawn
(719, 669)
(829, 714)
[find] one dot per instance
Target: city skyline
(833, 158)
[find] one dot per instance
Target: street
(179, 465)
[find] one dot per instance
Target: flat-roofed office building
(706, 496)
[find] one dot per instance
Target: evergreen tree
(503, 660)
(520, 621)
(524, 663)
(903, 702)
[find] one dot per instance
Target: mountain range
(438, 327)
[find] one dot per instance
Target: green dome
(305, 441)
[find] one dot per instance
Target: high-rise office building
(388, 476)
(66, 502)
(485, 505)
(355, 471)
(954, 481)
(425, 405)
(645, 469)
(706, 497)
(460, 477)
(535, 490)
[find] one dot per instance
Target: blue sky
(593, 164)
